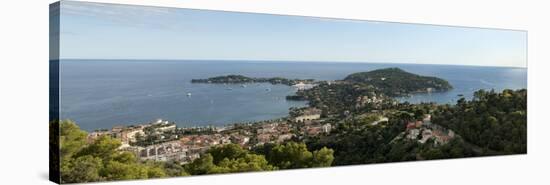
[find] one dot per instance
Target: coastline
(183, 87)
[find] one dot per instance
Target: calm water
(101, 93)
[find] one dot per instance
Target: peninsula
(395, 81)
(240, 79)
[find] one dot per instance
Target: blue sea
(104, 93)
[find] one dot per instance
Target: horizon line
(289, 61)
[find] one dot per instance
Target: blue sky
(107, 31)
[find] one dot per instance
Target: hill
(396, 82)
(240, 79)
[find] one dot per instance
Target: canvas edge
(54, 37)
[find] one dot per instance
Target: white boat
(188, 94)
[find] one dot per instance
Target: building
(169, 151)
(411, 125)
(130, 135)
(263, 138)
(308, 114)
(380, 120)
(166, 127)
(418, 124)
(426, 134)
(240, 140)
(284, 137)
(413, 134)
(303, 86)
(326, 128)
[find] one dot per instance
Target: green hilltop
(395, 81)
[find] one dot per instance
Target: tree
(101, 160)
(230, 151)
(322, 157)
(173, 169)
(71, 138)
(249, 162)
(123, 171)
(491, 120)
(82, 169)
(202, 165)
(296, 155)
(433, 154)
(226, 159)
(103, 147)
(290, 155)
(155, 172)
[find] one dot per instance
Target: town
(162, 140)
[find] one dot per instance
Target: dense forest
(490, 124)
(497, 122)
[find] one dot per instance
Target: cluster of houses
(313, 128)
(171, 144)
(423, 130)
(307, 123)
(276, 132)
(310, 123)
(167, 151)
(372, 98)
(186, 148)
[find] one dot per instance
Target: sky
(109, 31)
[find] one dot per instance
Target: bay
(103, 93)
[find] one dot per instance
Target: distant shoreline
(278, 61)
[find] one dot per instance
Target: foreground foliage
(101, 159)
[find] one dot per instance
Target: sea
(105, 93)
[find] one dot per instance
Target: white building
(327, 128)
(303, 86)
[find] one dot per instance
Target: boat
(188, 94)
(243, 85)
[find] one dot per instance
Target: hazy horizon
(283, 61)
(129, 32)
